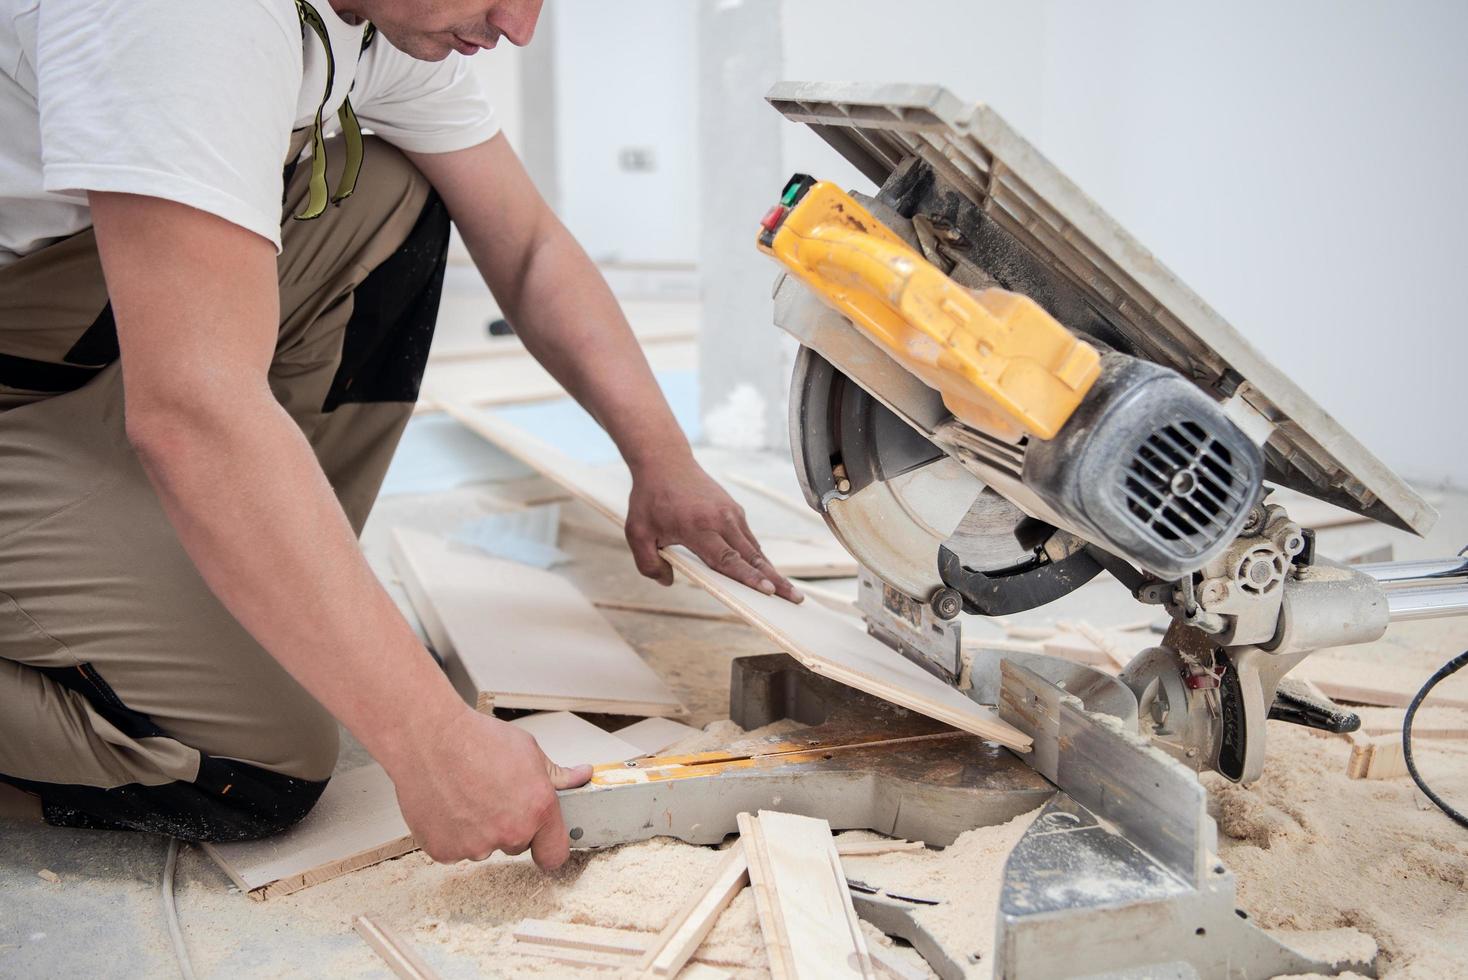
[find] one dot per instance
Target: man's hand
(480, 785)
(676, 502)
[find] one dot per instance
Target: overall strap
(351, 128)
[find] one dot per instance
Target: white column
(744, 360)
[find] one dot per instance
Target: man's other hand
(678, 503)
(478, 785)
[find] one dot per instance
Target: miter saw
(999, 394)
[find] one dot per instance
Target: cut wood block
(401, 958)
(804, 904)
(825, 641)
(1390, 685)
(651, 735)
(568, 740)
(1376, 758)
(355, 824)
(521, 636)
(677, 942)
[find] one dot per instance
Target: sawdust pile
(1315, 851)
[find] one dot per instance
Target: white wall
(1303, 166)
(625, 80)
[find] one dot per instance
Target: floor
(102, 917)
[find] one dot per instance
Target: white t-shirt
(194, 101)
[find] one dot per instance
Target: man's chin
(418, 46)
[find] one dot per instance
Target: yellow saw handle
(1002, 364)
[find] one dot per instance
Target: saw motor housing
(1122, 452)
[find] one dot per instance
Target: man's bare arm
(564, 312)
(196, 304)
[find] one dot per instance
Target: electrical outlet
(637, 159)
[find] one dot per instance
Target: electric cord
(170, 912)
(1446, 670)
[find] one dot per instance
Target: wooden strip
(867, 848)
(828, 597)
(401, 958)
(785, 500)
(598, 939)
(810, 925)
(355, 824)
(676, 944)
(1444, 732)
(572, 954)
(798, 558)
(777, 943)
(1386, 684)
(624, 605)
(890, 965)
(523, 635)
(825, 641)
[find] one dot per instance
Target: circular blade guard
(897, 502)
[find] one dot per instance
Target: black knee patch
(385, 346)
(230, 801)
(227, 801)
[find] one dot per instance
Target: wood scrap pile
(806, 916)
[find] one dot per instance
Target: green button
(789, 196)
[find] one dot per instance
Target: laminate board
(569, 740)
(355, 824)
(822, 639)
(523, 636)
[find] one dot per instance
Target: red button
(773, 217)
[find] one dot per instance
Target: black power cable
(1446, 670)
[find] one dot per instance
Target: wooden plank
(830, 598)
(524, 636)
(512, 346)
(574, 935)
(761, 883)
(355, 824)
(1385, 684)
(785, 500)
(678, 941)
(651, 735)
(401, 958)
(868, 848)
(629, 944)
(568, 740)
(804, 904)
(800, 558)
(518, 379)
(890, 965)
(826, 641)
(626, 605)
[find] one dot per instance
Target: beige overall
(129, 697)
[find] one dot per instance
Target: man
(204, 368)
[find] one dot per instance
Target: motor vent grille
(1182, 485)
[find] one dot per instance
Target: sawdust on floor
(1333, 865)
